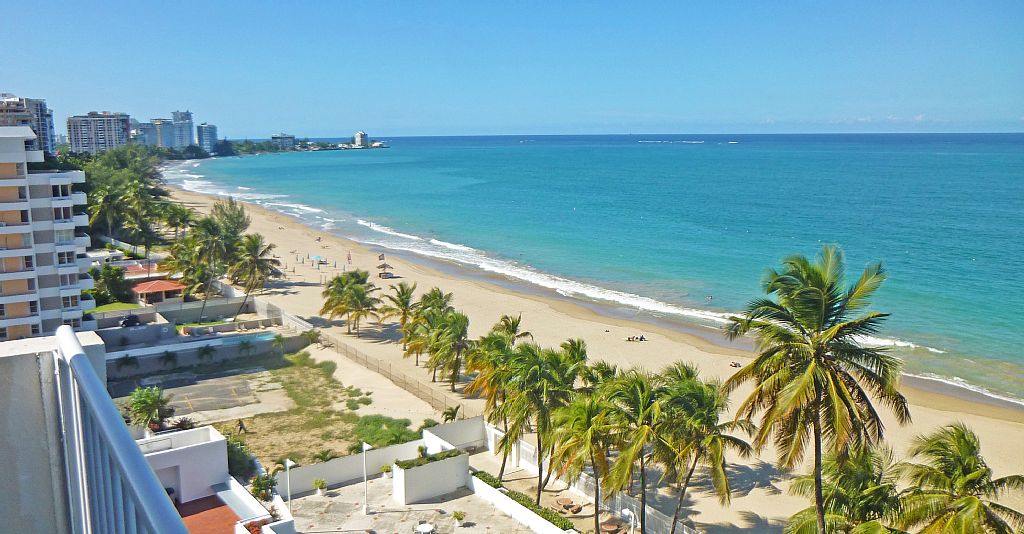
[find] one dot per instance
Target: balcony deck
(208, 515)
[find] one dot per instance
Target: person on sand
(642, 338)
(241, 427)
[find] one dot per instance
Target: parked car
(131, 320)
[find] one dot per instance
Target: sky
(325, 69)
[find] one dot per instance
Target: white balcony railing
(111, 487)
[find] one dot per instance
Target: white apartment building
(184, 132)
(206, 135)
(97, 132)
(43, 266)
(361, 139)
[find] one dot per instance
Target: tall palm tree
(212, 250)
(450, 344)
(581, 436)
(637, 415)
(512, 327)
(490, 359)
(402, 304)
(361, 303)
(861, 493)
(255, 264)
(177, 216)
(955, 491)
(348, 292)
(692, 432)
(104, 205)
(436, 300)
(539, 381)
(813, 380)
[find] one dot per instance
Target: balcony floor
(208, 515)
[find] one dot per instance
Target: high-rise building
(206, 136)
(184, 131)
(31, 112)
(43, 267)
(283, 141)
(360, 139)
(157, 132)
(98, 132)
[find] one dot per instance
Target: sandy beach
(760, 502)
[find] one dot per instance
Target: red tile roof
(208, 516)
(157, 286)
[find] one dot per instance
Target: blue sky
(450, 68)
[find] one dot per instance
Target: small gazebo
(384, 270)
(156, 291)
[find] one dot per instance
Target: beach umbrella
(381, 257)
(384, 266)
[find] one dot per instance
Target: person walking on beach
(241, 427)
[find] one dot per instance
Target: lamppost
(366, 493)
(288, 463)
(626, 512)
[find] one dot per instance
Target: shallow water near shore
(658, 223)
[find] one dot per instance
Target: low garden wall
(430, 480)
(513, 509)
(467, 434)
(216, 309)
(346, 469)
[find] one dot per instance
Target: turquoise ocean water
(660, 222)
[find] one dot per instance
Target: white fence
(513, 509)
(346, 469)
(467, 434)
(427, 481)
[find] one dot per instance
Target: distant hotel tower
(98, 132)
(206, 134)
(283, 141)
(360, 139)
(42, 243)
(184, 131)
(31, 112)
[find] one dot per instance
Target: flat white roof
(17, 132)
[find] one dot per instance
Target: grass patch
(314, 425)
(424, 460)
(116, 306)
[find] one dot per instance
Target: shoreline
(764, 504)
(706, 338)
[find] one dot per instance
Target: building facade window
(65, 258)
(62, 214)
(3, 334)
(69, 302)
(33, 307)
(68, 280)
(74, 323)
(62, 237)
(36, 330)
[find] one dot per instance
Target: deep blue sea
(661, 222)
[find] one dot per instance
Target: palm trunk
(597, 494)
(504, 455)
(551, 469)
(244, 298)
(206, 295)
(819, 501)
(540, 466)
(455, 372)
(643, 496)
(682, 493)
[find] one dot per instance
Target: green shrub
(240, 462)
(319, 483)
(424, 460)
(459, 515)
(550, 515)
(351, 404)
(488, 479)
(381, 431)
(427, 423)
(263, 487)
(365, 401)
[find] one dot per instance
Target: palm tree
(581, 435)
(860, 490)
(436, 300)
(206, 352)
(212, 250)
(104, 205)
(449, 344)
(254, 265)
(636, 416)
(278, 343)
(813, 380)
(177, 216)
(361, 303)
(149, 407)
(312, 336)
(450, 414)
(691, 432)
(512, 327)
(401, 304)
(489, 359)
(954, 489)
(539, 381)
(349, 292)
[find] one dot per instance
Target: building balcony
(15, 228)
(83, 240)
(7, 321)
(85, 282)
(84, 262)
(56, 177)
(15, 251)
(68, 314)
(18, 296)
(23, 273)
(79, 198)
(80, 220)
(21, 204)
(87, 303)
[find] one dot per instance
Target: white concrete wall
(513, 509)
(464, 434)
(347, 468)
(420, 484)
(199, 465)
